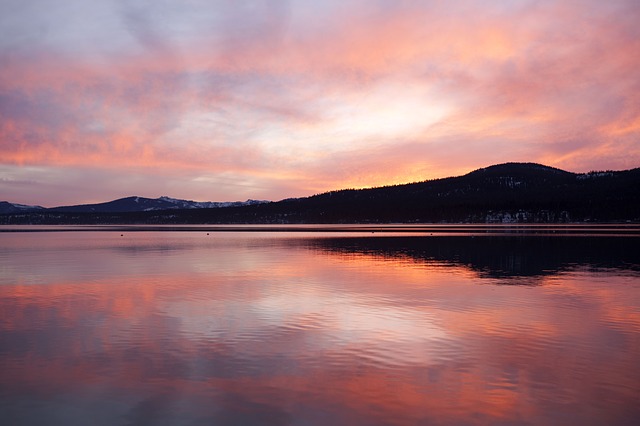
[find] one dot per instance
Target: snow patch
(594, 175)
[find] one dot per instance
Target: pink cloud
(266, 94)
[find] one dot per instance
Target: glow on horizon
(227, 101)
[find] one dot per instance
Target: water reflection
(175, 328)
(500, 256)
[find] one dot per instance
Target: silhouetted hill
(511, 192)
(128, 204)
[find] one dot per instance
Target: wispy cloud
(289, 98)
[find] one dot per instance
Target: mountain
(7, 207)
(510, 192)
(140, 204)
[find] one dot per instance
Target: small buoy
(122, 235)
(207, 233)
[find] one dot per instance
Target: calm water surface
(123, 326)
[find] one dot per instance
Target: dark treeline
(513, 192)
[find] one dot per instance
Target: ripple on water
(242, 327)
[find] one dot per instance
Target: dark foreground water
(123, 326)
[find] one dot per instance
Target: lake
(325, 325)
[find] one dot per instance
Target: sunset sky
(228, 100)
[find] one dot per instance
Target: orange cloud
(395, 93)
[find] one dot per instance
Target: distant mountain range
(128, 204)
(504, 193)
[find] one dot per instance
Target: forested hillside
(511, 192)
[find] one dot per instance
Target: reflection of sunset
(281, 328)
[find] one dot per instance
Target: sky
(229, 100)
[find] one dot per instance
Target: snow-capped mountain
(128, 204)
(188, 204)
(7, 207)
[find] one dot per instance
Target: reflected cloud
(292, 328)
